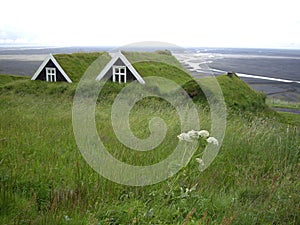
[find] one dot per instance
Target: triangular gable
(42, 66)
(120, 56)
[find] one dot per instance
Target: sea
(275, 72)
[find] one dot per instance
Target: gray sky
(214, 23)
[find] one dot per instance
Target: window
(119, 74)
(50, 74)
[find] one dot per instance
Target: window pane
(119, 73)
(116, 78)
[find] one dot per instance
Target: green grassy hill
(76, 64)
(44, 179)
(238, 95)
(163, 56)
(6, 79)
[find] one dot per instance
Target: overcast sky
(210, 23)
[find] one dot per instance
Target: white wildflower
(187, 191)
(193, 134)
(200, 161)
(201, 164)
(203, 133)
(184, 137)
(212, 140)
(194, 187)
(67, 218)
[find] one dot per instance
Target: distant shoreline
(25, 61)
(260, 68)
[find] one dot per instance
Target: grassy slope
(5, 79)
(76, 64)
(240, 96)
(158, 56)
(254, 179)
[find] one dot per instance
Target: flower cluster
(212, 140)
(195, 135)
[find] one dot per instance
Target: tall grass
(45, 180)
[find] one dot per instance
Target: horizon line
(159, 46)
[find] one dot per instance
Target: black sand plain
(279, 64)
